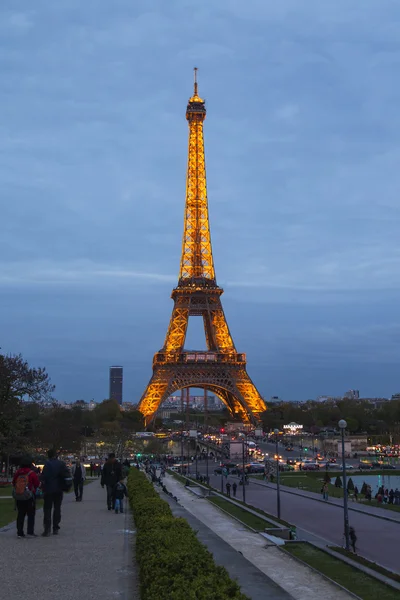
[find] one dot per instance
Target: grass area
(394, 507)
(242, 514)
(5, 490)
(361, 584)
(311, 481)
(367, 563)
(181, 478)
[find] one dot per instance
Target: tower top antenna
(195, 80)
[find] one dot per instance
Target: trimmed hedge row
(172, 562)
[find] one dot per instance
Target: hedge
(172, 562)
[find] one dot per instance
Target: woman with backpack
(25, 483)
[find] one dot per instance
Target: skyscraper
(116, 384)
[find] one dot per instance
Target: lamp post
(243, 474)
(342, 425)
(278, 491)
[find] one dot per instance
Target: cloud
(302, 159)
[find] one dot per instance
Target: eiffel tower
(219, 369)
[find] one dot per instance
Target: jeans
(110, 496)
(78, 489)
(119, 505)
(26, 508)
(52, 501)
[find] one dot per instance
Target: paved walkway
(90, 558)
(297, 580)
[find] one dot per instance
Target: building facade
(116, 377)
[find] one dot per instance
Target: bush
(364, 488)
(172, 562)
(350, 485)
(338, 482)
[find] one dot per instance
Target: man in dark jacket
(55, 478)
(110, 476)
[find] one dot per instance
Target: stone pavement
(300, 582)
(90, 558)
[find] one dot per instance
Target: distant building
(116, 384)
(352, 395)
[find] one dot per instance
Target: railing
(198, 357)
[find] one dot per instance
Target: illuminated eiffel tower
(220, 368)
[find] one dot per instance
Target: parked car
(365, 466)
(388, 467)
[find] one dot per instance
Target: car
(332, 460)
(228, 465)
(365, 466)
(348, 467)
(388, 467)
(292, 461)
(310, 466)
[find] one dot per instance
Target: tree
(350, 485)
(338, 482)
(364, 488)
(19, 382)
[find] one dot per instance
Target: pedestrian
(391, 496)
(56, 479)
(119, 492)
(110, 476)
(25, 483)
(397, 496)
(356, 493)
(325, 492)
(353, 538)
(386, 496)
(234, 488)
(228, 489)
(92, 467)
(78, 477)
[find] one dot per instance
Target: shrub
(350, 485)
(338, 482)
(172, 562)
(364, 488)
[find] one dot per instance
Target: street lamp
(342, 425)
(278, 494)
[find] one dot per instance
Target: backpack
(21, 490)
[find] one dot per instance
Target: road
(377, 538)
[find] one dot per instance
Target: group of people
(55, 479)
(112, 478)
(228, 487)
(388, 497)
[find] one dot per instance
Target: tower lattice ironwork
(220, 368)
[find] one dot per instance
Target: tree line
(32, 421)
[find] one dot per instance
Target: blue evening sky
(303, 163)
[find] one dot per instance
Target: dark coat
(54, 472)
(112, 473)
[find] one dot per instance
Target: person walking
(92, 467)
(353, 538)
(110, 476)
(228, 489)
(25, 483)
(78, 472)
(397, 496)
(56, 479)
(119, 492)
(234, 488)
(325, 492)
(356, 492)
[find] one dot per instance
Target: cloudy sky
(303, 163)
